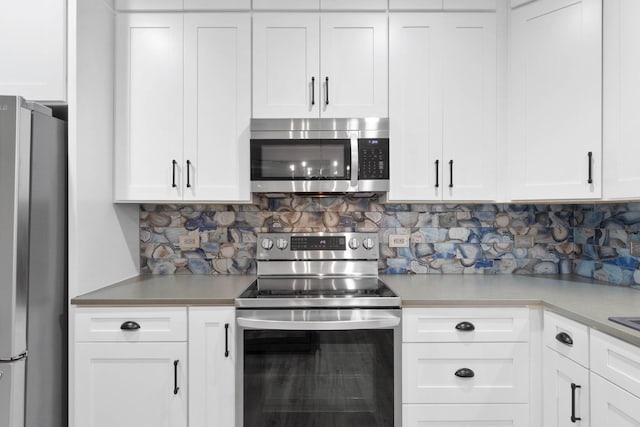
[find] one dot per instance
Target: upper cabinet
(327, 65)
(33, 44)
(555, 122)
(621, 99)
(182, 107)
(443, 106)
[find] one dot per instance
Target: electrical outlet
(523, 241)
(399, 241)
(635, 248)
(189, 241)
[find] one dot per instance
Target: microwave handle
(354, 160)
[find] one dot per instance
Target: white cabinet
(613, 406)
(465, 367)
(33, 42)
(621, 101)
(555, 123)
(565, 372)
(327, 65)
(212, 366)
(443, 106)
(183, 107)
(566, 391)
(615, 382)
(132, 367)
(217, 106)
(122, 378)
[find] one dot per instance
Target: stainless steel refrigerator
(33, 265)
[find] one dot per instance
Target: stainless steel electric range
(319, 335)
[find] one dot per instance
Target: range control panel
(317, 246)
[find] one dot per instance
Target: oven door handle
(318, 325)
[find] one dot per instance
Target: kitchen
(538, 216)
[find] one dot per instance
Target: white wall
(103, 237)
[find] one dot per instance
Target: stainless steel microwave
(319, 155)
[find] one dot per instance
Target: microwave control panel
(373, 158)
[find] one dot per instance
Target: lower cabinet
(465, 415)
(212, 366)
(566, 391)
(136, 384)
(154, 367)
(466, 367)
(613, 406)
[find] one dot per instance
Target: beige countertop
(579, 299)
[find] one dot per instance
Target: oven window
(300, 160)
(318, 378)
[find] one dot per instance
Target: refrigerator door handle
(15, 358)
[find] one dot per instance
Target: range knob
(354, 243)
(267, 244)
(368, 243)
(281, 243)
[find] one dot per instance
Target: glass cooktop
(318, 292)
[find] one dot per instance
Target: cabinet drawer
(465, 324)
(615, 360)
(431, 373)
(131, 324)
(569, 338)
(465, 415)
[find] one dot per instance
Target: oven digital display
(318, 243)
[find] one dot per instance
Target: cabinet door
(556, 100)
(559, 375)
(212, 366)
(148, 146)
(612, 406)
(415, 106)
(131, 385)
(621, 99)
(285, 65)
(354, 61)
(470, 105)
(33, 45)
(217, 106)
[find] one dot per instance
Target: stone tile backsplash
(591, 240)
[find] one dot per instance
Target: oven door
(319, 368)
(321, 162)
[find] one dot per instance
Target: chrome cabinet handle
(573, 403)
(130, 325)
(465, 373)
(313, 91)
(465, 326)
(564, 338)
